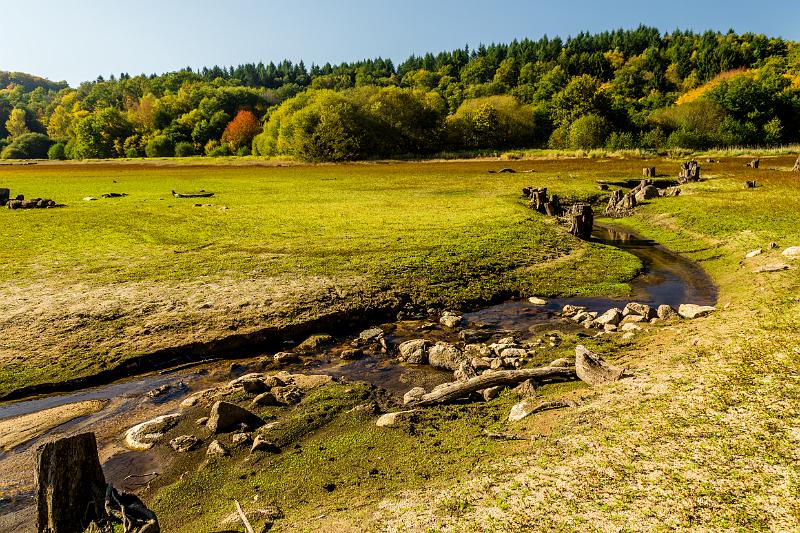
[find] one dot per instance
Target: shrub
(28, 146)
(57, 152)
(184, 149)
(558, 139)
(589, 131)
(160, 146)
(219, 150)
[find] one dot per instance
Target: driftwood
(552, 404)
(70, 485)
(247, 525)
(503, 378)
(649, 172)
(592, 370)
(796, 167)
(581, 221)
(201, 194)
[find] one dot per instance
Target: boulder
(513, 352)
(630, 327)
(526, 388)
(142, 436)
(240, 439)
(282, 358)
(445, 356)
(611, 317)
(593, 370)
(391, 420)
(521, 410)
(251, 383)
(351, 355)
(477, 350)
(491, 393)
(633, 319)
(464, 372)
(450, 320)
(371, 335)
(265, 399)
(414, 351)
(413, 395)
(474, 335)
(261, 444)
(227, 416)
(754, 253)
(634, 308)
(184, 443)
(202, 421)
(666, 312)
(571, 310)
(792, 252)
(314, 343)
(304, 382)
(695, 311)
(648, 192)
(216, 449)
(286, 395)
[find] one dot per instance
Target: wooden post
(649, 172)
(70, 485)
(581, 221)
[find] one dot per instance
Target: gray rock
(184, 443)
(792, 252)
(142, 436)
(477, 350)
(282, 358)
(521, 410)
(526, 389)
(754, 253)
(572, 310)
(351, 355)
(537, 301)
(695, 311)
(202, 421)
(450, 320)
(445, 356)
(513, 352)
(286, 395)
(371, 335)
(630, 327)
(772, 267)
(217, 449)
(612, 316)
(264, 399)
(261, 444)
(474, 335)
(413, 395)
(610, 328)
(491, 393)
(240, 439)
(464, 372)
(391, 420)
(666, 312)
(314, 343)
(273, 381)
(647, 192)
(481, 363)
(414, 351)
(251, 383)
(635, 308)
(227, 416)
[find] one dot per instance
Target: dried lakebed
(667, 279)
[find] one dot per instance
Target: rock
(240, 439)
(474, 335)
(304, 382)
(314, 343)
(227, 416)
(90, 199)
(666, 312)
(593, 370)
(202, 421)
(571, 310)
(510, 341)
(772, 246)
(563, 363)
(481, 363)
(251, 383)
(754, 253)
(526, 388)
(772, 267)
(520, 411)
(633, 319)
(286, 395)
(142, 436)
(414, 351)
(792, 252)
(450, 320)
(391, 420)
(184, 443)
(477, 350)
(537, 301)
(445, 356)
(371, 335)
(261, 444)
(648, 192)
(611, 317)
(216, 449)
(580, 316)
(630, 327)
(351, 355)
(634, 308)
(491, 393)
(273, 381)
(282, 358)
(264, 399)
(513, 352)
(191, 401)
(695, 311)
(464, 371)
(413, 395)
(610, 328)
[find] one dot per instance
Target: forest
(625, 89)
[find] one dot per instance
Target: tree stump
(750, 184)
(70, 485)
(754, 163)
(5, 196)
(538, 199)
(581, 221)
(620, 203)
(552, 207)
(689, 172)
(796, 167)
(649, 172)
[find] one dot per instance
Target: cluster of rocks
(792, 252)
(631, 318)
(621, 203)
(19, 202)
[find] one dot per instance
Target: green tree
(588, 131)
(102, 135)
(17, 123)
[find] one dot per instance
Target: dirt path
(19, 430)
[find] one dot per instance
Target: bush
(220, 150)
(57, 152)
(28, 146)
(558, 139)
(589, 131)
(160, 146)
(12, 152)
(623, 140)
(653, 139)
(492, 122)
(184, 149)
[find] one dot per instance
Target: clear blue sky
(77, 40)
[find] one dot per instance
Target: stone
(217, 449)
(286, 358)
(611, 317)
(648, 192)
(513, 352)
(772, 267)
(273, 381)
(537, 301)
(143, 436)
(371, 335)
(391, 420)
(526, 389)
(251, 383)
(202, 421)
(491, 393)
(562, 363)
(184, 443)
(754, 253)
(261, 444)
(464, 371)
(191, 401)
(90, 199)
(265, 399)
(633, 319)
(414, 351)
(314, 343)
(630, 327)
(477, 350)
(445, 356)
(413, 395)
(227, 416)
(610, 328)
(511, 341)
(666, 312)
(628, 336)
(240, 439)
(496, 364)
(449, 320)
(792, 252)
(634, 308)
(580, 316)
(695, 311)
(286, 395)
(571, 310)
(351, 354)
(304, 382)
(521, 410)
(474, 335)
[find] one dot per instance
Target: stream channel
(667, 278)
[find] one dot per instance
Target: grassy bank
(93, 283)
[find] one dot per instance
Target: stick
(247, 524)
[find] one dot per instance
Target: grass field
(93, 283)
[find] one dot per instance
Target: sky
(78, 40)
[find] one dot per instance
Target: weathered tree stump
(552, 207)
(70, 485)
(602, 186)
(754, 163)
(620, 204)
(5, 196)
(750, 184)
(796, 167)
(581, 221)
(649, 172)
(689, 172)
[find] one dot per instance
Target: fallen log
(592, 370)
(201, 194)
(451, 392)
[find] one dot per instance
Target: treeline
(621, 89)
